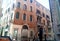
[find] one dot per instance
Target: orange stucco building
(25, 18)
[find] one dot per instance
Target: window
(31, 33)
(49, 30)
(25, 7)
(25, 27)
(37, 11)
(31, 1)
(7, 26)
(13, 5)
(39, 19)
(24, 17)
(43, 15)
(1, 31)
(58, 36)
(30, 17)
(18, 5)
(25, 0)
(15, 33)
(47, 16)
(17, 15)
(48, 22)
(44, 22)
(6, 33)
(8, 9)
(31, 8)
(11, 16)
(37, 4)
(59, 2)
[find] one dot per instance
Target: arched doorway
(24, 33)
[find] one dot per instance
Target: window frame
(8, 9)
(47, 16)
(31, 33)
(31, 1)
(13, 6)
(43, 15)
(24, 7)
(38, 11)
(18, 5)
(17, 15)
(31, 18)
(25, 0)
(6, 33)
(31, 8)
(24, 16)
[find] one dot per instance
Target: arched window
(17, 15)
(25, 27)
(25, 7)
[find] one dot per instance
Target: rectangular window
(7, 26)
(49, 30)
(59, 2)
(30, 17)
(43, 15)
(25, 7)
(24, 17)
(11, 16)
(18, 5)
(31, 8)
(1, 31)
(16, 33)
(6, 33)
(37, 11)
(48, 23)
(31, 1)
(39, 19)
(13, 6)
(43, 22)
(17, 15)
(31, 33)
(8, 9)
(47, 16)
(25, 0)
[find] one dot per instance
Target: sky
(44, 3)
